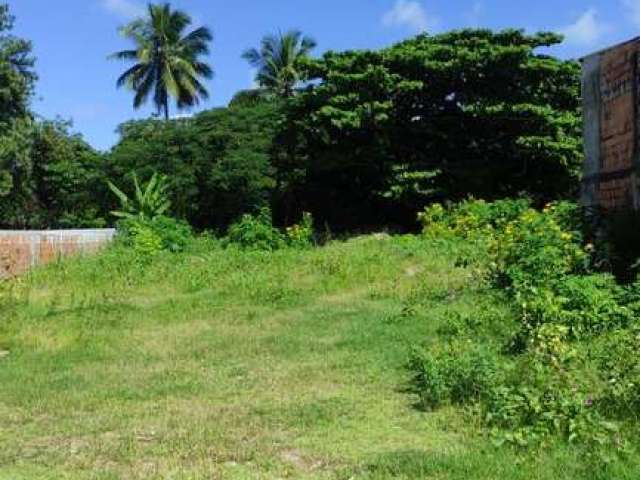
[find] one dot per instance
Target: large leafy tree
(278, 61)
(17, 80)
(218, 163)
(470, 112)
(68, 175)
(48, 177)
(168, 60)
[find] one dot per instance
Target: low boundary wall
(22, 250)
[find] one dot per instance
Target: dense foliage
(52, 178)
(48, 177)
(465, 112)
(557, 372)
(217, 164)
(375, 135)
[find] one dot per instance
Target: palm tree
(167, 60)
(278, 61)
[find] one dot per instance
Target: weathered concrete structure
(21, 250)
(611, 89)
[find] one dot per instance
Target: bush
(256, 232)
(301, 235)
(587, 305)
(551, 387)
(526, 414)
(471, 217)
(476, 222)
(461, 372)
(535, 250)
(151, 236)
(548, 393)
(619, 364)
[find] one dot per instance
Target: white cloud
(126, 9)
(633, 6)
(586, 30)
(410, 14)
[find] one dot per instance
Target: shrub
(522, 247)
(460, 372)
(526, 414)
(471, 217)
(551, 387)
(301, 235)
(535, 250)
(458, 325)
(591, 304)
(587, 305)
(256, 232)
(476, 222)
(619, 364)
(151, 236)
(547, 394)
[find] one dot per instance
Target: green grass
(227, 364)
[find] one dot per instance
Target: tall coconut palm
(278, 61)
(167, 59)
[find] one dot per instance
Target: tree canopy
(469, 112)
(48, 177)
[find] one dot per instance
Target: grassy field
(234, 365)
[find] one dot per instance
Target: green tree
(470, 112)
(48, 177)
(167, 59)
(56, 178)
(68, 175)
(218, 163)
(17, 79)
(278, 61)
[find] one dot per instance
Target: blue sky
(72, 39)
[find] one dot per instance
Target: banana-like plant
(149, 201)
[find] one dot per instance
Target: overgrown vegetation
(171, 364)
(556, 374)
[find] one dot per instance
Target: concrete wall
(21, 250)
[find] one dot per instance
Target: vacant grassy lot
(226, 364)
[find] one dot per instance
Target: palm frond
(124, 55)
(203, 70)
(253, 56)
(130, 76)
(168, 62)
(278, 60)
(143, 89)
(198, 40)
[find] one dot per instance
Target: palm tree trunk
(166, 109)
